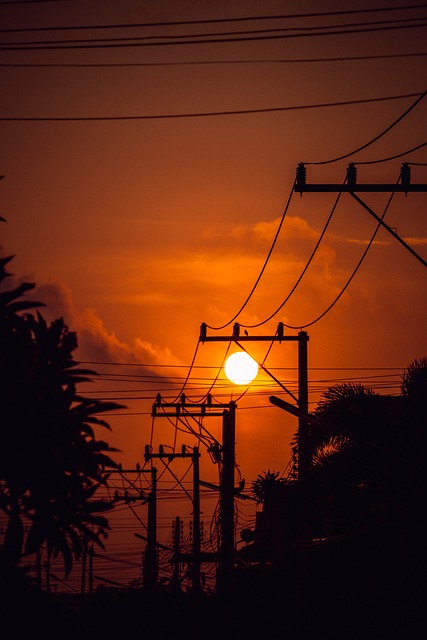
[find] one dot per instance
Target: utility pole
(84, 558)
(195, 455)
(226, 567)
(150, 558)
(302, 400)
(91, 569)
(303, 456)
(196, 520)
(149, 572)
(176, 578)
(351, 186)
(225, 455)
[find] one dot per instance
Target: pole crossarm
(370, 188)
(189, 410)
(148, 455)
(237, 337)
(351, 185)
(404, 184)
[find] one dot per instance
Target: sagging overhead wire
(252, 291)
(380, 135)
(377, 137)
(380, 222)
(319, 14)
(307, 30)
(214, 381)
(303, 272)
(190, 63)
(188, 373)
(397, 155)
(206, 114)
(350, 279)
(197, 40)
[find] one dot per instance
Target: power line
(18, 2)
(133, 364)
(174, 63)
(303, 272)
(350, 279)
(264, 266)
(207, 113)
(189, 42)
(377, 137)
(403, 115)
(222, 34)
(211, 20)
(398, 155)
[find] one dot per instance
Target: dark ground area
(259, 607)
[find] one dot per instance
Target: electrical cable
(380, 135)
(303, 272)
(175, 63)
(188, 373)
(205, 396)
(167, 116)
(347, 284)
(16, 3)
(178, 481)
(214, 40)
(207, 21)
(398, 155)
(263, 267)
(137, 39)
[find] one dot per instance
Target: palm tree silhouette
(51, 463)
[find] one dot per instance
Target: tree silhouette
(267, 487)
(51, 463)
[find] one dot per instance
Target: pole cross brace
(351, 185)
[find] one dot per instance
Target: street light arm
(310, 417)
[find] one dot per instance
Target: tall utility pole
(176, 578)
(194, 455)
(225, 456)
(302, 400)
(351, 186)
(150, 558)
(149, 574)
(225, 570)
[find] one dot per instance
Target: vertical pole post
(175, 582)
(196, 521)
(227, 498)
(39, 568)
(91, 569)
(150, 564)
(84, 558)
(48, 574)
(303, 405)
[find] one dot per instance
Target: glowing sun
(240, 368)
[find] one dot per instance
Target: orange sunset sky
(144, 185)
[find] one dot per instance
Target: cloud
(96, 342)
(416, 241)
(265, 231)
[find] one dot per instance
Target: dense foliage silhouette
(51, 463)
